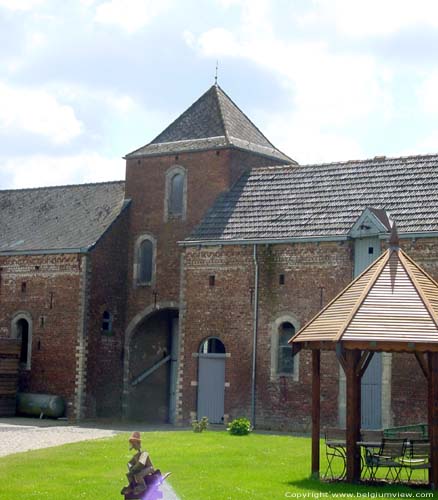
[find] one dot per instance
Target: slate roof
(324, 200)
(213, 121)
(58, 218)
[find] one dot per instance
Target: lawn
(211, 465)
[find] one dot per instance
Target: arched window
(285, 362)
(145, 251)
(212, 345)
(145, 260)
(22, 331)
(176, 193)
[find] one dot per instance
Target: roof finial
(394, 242)
(215, 76)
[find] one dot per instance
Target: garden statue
(142, 477)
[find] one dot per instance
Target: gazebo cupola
(393, 307)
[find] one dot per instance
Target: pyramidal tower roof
(212, 122)
(392, 301)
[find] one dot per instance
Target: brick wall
(313, 275)
(226, 311)
(52, 299)
(107, 292)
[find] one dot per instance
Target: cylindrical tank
(40, 405)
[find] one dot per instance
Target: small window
(176, 196)
(212, 280)
(281, 279)
(23, 336)
(370, 250)
(285, 362)
(212, 346)
(107, 322)
(145, 261)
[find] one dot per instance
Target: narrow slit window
(281, 279)
(285, 362)
(107, 321)
(176, 198)
(212, 280)
(146, 255)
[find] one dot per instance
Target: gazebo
(391, 307)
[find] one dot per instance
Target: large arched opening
(151, 373)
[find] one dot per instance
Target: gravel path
(19, 435)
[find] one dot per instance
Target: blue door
(211, 387)
(366, 250)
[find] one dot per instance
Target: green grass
(211, 465)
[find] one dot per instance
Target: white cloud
(130, 15)
(327, 88)
(427, 93)
(38, 112)
(360, 18)
(43, 170)
(21, 4)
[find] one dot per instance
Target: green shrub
(201, 425)
(239, 427)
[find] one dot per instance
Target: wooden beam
(353, 416)
(296, 347)
(149, 371)
(423, 364)
(386, 346)
(365, 360)
(316, 411)
(340, 354)
(433, 418)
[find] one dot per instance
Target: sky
(84, 82)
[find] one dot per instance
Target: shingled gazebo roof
(393, 303)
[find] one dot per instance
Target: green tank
(40, 405)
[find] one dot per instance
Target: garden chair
(335, 446)
(417, 456)
(390, 456)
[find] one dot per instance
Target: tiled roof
(54, 218)
(393, 300)
(324, 200)
(213, 121)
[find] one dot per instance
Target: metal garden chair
(335, 448)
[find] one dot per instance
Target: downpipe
(254, 339)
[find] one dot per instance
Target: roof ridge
(221, 113)
(62, 186)
(186, 111)
(251, 122)
(368, 160)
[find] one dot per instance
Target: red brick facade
(46, 290)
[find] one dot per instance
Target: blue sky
(83, 82)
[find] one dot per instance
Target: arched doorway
(211, 380)
(153, 349)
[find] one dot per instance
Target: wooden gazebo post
(353, 414)
(316, 410)
(433, 417)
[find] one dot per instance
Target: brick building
(173, 294)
